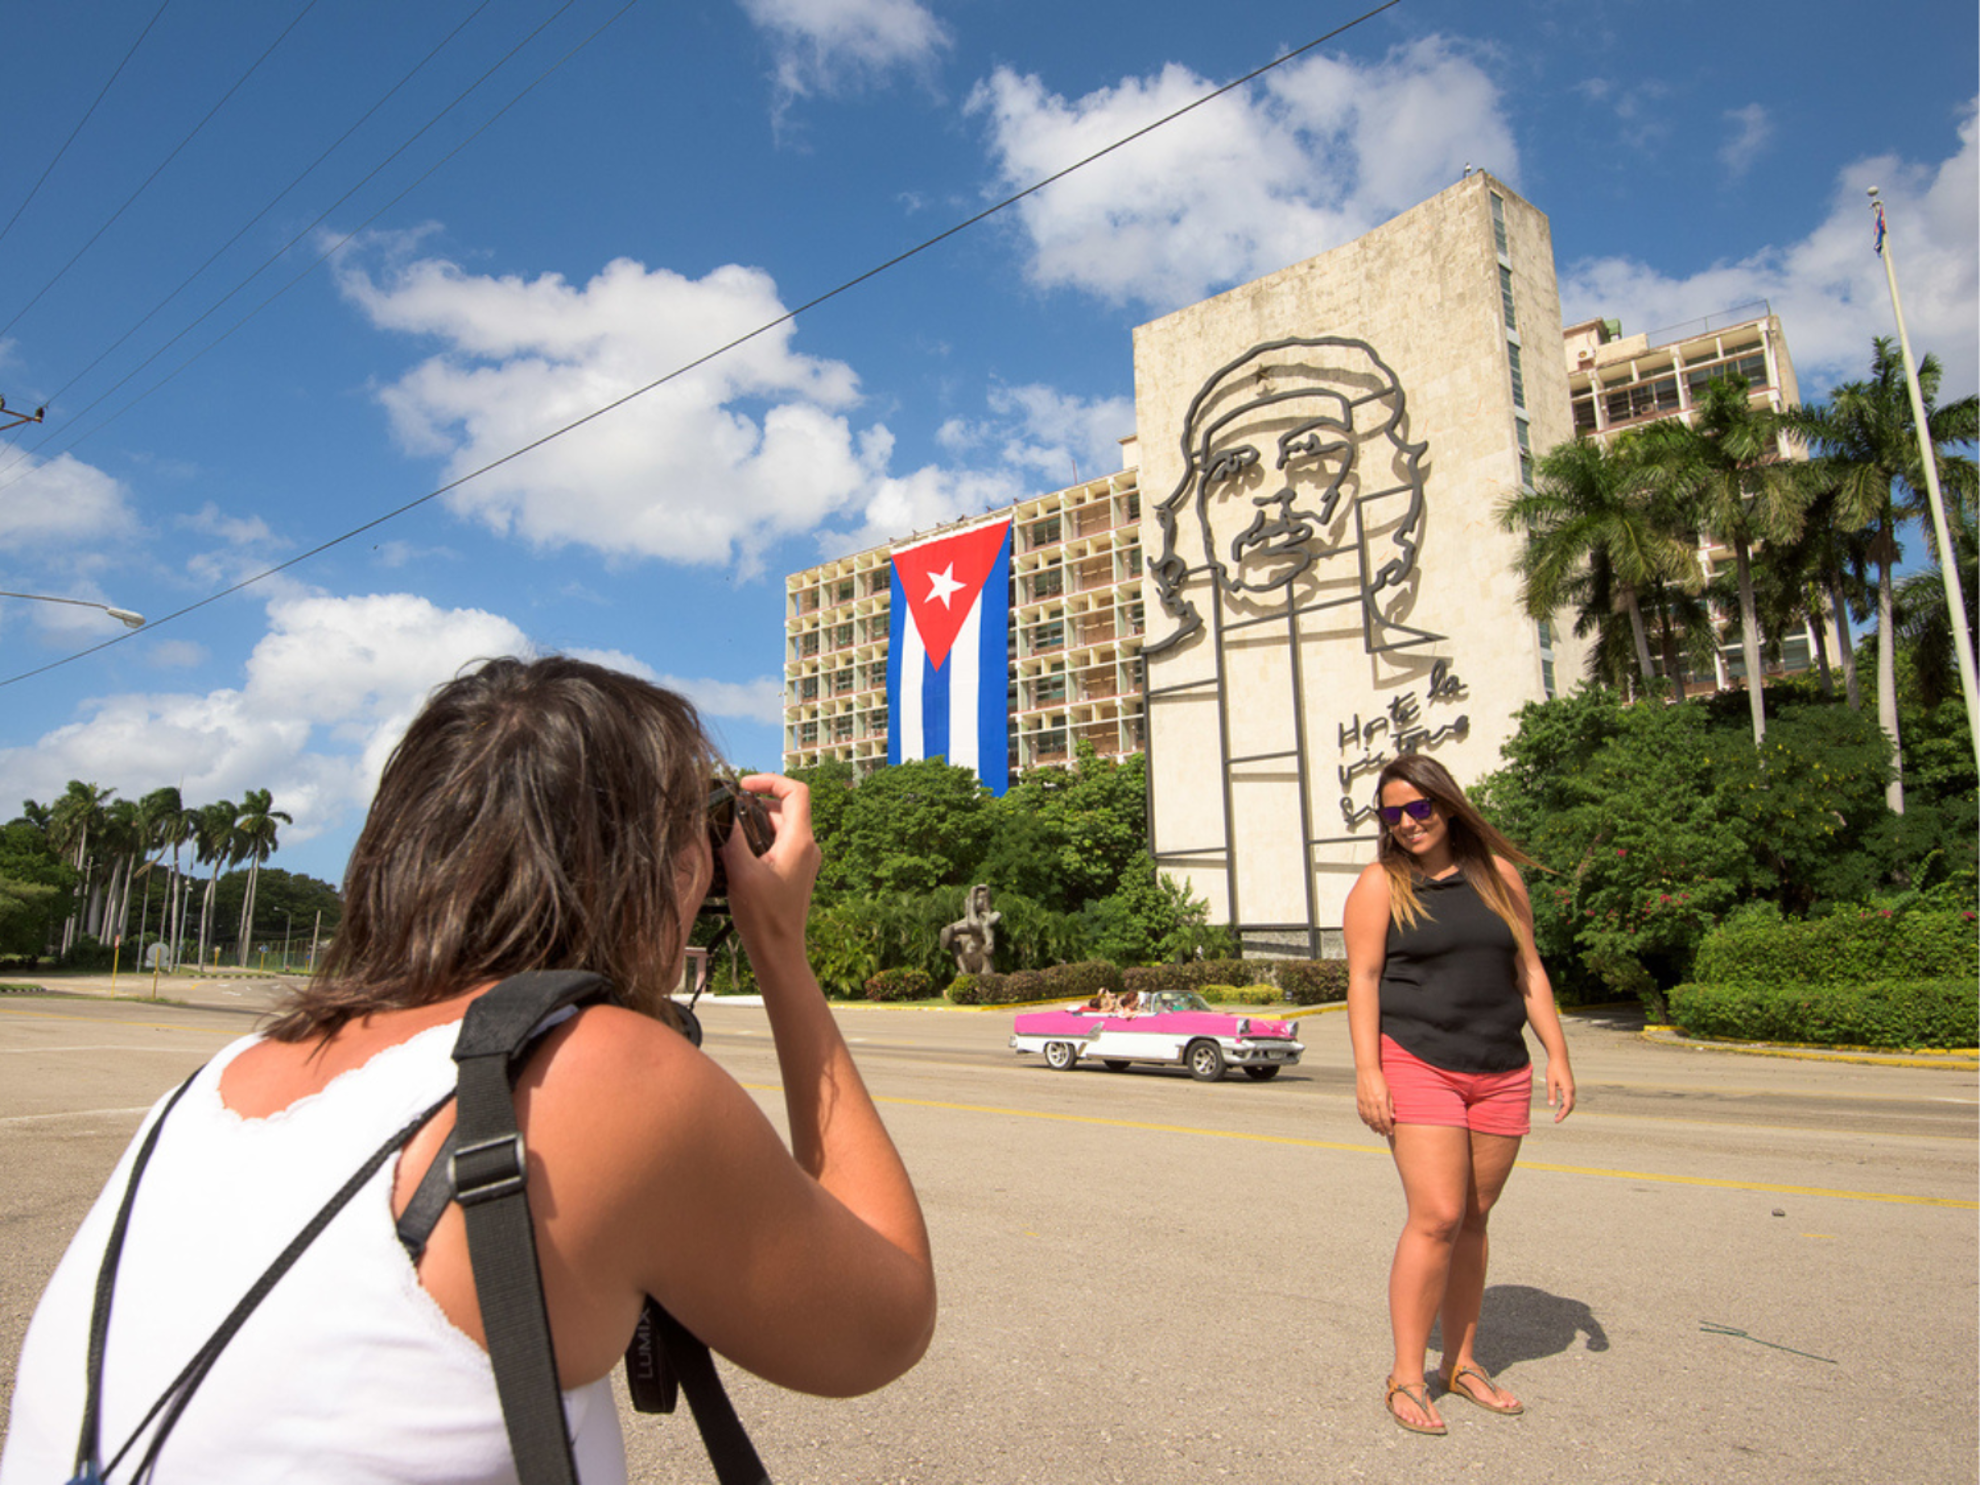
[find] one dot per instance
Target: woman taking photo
(550, 815)
(1442, 979)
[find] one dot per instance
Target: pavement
(1723, 1268)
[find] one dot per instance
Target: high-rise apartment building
(1618, 383)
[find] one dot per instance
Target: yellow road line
(227, 1031)
(1313, 1144)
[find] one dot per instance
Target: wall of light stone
(1363, 479)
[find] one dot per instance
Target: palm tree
(72, 819)
(1919, 607)
(256, 837)
(161, 827)
(1866, 447)
(1727, 469)
(214, 844)
(1599, 533)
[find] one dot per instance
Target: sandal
(1451, 1389)
(1418, 1393)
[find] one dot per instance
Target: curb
(1955, 1060)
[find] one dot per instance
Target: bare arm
(811, 1266)
(1538, 993)
(1365, 927)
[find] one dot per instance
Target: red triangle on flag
(942, 579)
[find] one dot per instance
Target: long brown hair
(1474, 842)
(534, 816)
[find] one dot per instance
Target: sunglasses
(729, 804)
(1419, 810)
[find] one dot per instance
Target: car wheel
(1263, 1074)
(1115, 1064)
(1205, 1060)
(1060, 1056)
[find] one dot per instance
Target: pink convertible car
(1174, 1027)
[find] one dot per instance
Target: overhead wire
(87, 114)
(706, 357)
(253, 67)
(275, 257)
(273, 202)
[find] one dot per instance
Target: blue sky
(336, 293)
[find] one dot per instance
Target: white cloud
(1060, 437)
(760, 700)
(1828, 287)
(1246, 184)
(712, 468)
(326, 694)
(62, 501)
(1753, 131)
(832, 46)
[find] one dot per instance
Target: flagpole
(1948, 554)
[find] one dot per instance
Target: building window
(844, 592)
(1044, 533)
(1048, 636)
(1134, 506)
(1506, 296)
(1642, 400)
(1048, 689)
(1048, 582)
(1499, 224)
(1752, 367)
(1518, 377)
(1525, 440)
(808, 646)
(842, 682)
(1547, 677)
(808, 735)
(1584, 414)
(1526, 470)
(808, 688)
(842, 636)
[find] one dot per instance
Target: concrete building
(1618, 383)
(1298, 571)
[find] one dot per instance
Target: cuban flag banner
(948, 656)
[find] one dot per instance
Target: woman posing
(1442, 977)
(548, 815)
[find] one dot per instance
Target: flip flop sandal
(1451, 1389)
(1418, 1393)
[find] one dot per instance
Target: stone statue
(973, 940)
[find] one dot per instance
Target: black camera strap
(483, 1165)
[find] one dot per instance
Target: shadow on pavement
(1520, 1323)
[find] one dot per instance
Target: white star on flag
(942, 584)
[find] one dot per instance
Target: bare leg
(1492, 1157)
(1434, 1161)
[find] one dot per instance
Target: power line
(704, 359)
(252, 68)
(87, 113)
(276, 256)
(274, 201)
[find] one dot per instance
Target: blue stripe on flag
(993, 710)
(897, 622)
(936, 702)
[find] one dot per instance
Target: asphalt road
(1722, 1268)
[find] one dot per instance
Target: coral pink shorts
(1488, 1103)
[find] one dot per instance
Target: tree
(254, 841)
(213, 844)
(1727, 470)
(909, 828)
(1866, 450)
(1599, 535)
(35, 887)
(72, 820)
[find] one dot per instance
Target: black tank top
(1450, 985)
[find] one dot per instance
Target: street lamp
(122, 615)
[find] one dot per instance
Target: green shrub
(987, 989)
(899, 984)
(89, 954)
(1023, 985)
(1082, 980)
(1313, 981)
(1849, 947)
(1260, 994)
(1886, 1013)
(1218, 994)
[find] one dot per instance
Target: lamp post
(1935, 503)
(122, 615)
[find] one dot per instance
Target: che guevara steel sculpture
(1297, 458)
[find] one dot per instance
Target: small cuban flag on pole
(948, 657)
(1880, 227)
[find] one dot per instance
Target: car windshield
(1184, 1000)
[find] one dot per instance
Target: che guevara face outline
(1292, 448)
